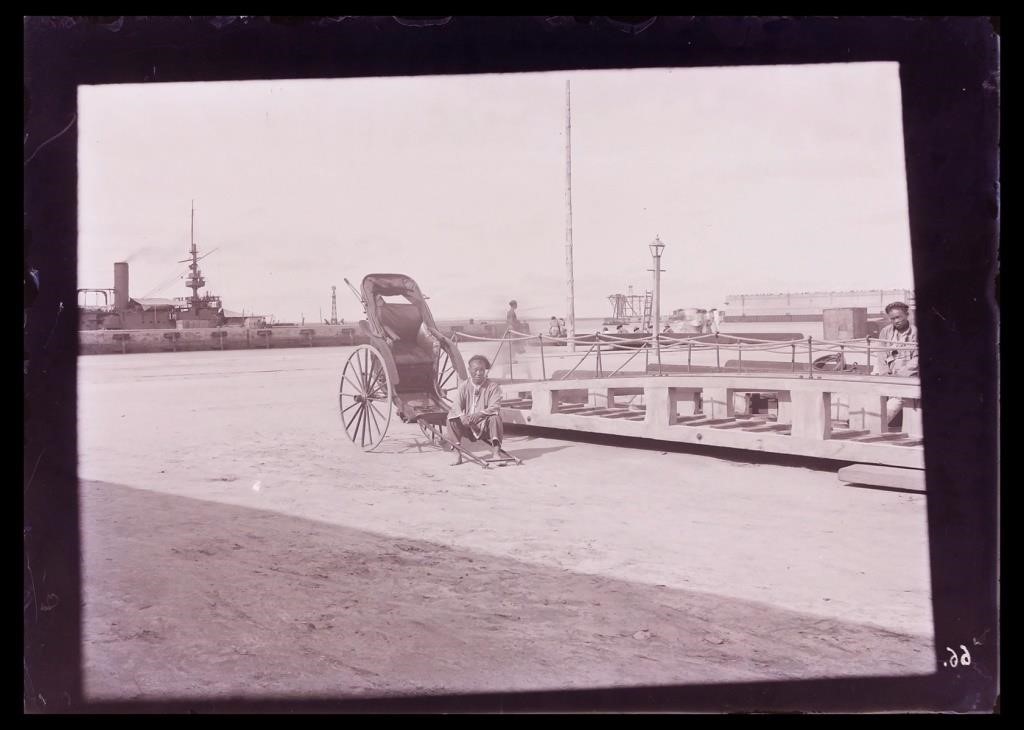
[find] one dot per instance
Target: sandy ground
(236, 544)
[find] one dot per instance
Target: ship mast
(195, 278)
(571, 308)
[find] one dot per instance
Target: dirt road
(235, 544)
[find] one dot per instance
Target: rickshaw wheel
(364, 398)
(447, 378)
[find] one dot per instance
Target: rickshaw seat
(403, 322)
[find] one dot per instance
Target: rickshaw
(408, 369)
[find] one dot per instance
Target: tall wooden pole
(571, 304)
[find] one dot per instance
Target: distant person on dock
(512, 323)
(713, 321)
(555, 328)
(901, 360)
(476, 409)
(511, 319)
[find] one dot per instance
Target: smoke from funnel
(138, 252)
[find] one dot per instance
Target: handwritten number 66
(964, 659)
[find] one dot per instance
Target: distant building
(808, 306)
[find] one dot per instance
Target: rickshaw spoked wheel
(364, 398)
(446, 377)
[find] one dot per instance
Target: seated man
(475, 412)
(901, 360)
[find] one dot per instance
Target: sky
(756, 179)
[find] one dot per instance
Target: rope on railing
(676, 344)
(628, 360)
(498, 351)
(478, 338)
(576, 366)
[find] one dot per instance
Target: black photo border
(949, 73)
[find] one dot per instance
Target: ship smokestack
(121, 286)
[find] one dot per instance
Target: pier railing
(798, 403)
(732, 353)
(835, 416)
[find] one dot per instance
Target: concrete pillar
(542, 402)
(660, 408)
(812, 413)
(913, 419)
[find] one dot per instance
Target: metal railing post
(657, 349)
(508, 338)
(543, 368)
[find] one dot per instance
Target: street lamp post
(657, 247)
